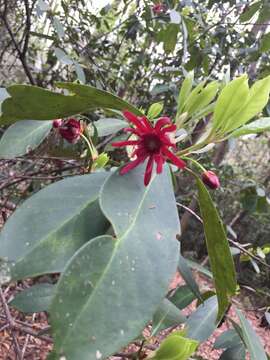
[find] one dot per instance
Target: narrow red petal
(134, 120)
(133, 131)
(169, 129)
(159, 161)
(162, 122)
(174, 159)
(148, 171)
(146, 123)
(131, 165)
(125, 143)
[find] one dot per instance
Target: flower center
(152, 143)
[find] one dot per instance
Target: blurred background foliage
(141, 54)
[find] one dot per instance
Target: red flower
(153, 142)
(71, 130)
(210, 179)
(57, 123)
(158, 9)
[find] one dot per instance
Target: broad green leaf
(122, 281)
(188, 277)
(154, 110)
(251, 339)
(185, 91)
(175, 347)
(58, 27)
(220, 257)
(202, 322)
(256, 101)
(34, 299)
(229, 338)
(47, 229)
(254, 127)
(62, 56)
(234, 353)
(182, 297)
(169, 37)
(232, 96)
(193, 95)
(265, 43)
(203, 98)
(32, 102)
(250, 11)
(23, 136)
(109, 126)
(167, 315)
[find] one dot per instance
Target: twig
(11, 323)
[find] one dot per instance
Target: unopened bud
(210, 179)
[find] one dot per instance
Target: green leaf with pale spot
(121, 280)
(47, 229)
(32, 102)
(22, 137)
(220, 257)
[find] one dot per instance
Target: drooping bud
(71, 130)
(210, 179)
(57, 123)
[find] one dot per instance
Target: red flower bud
(210, 179)
(71, 130)
(158, 9)
(57, 123)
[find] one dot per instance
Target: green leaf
(265, 43)
(47, 229)
(182, 297)
(169, 37)
(34, 299)
(22, 137)
(234, 353)
(185, 91)
(188, 277)
(231, 97)
(62, 56)
(193, 95)
(109, 126)
(256, 101)
(254, 127)
(202, 98)
(251, 339)
(32, 102)
(167, 315)
(250, 11)
(175, 347)
(154, 110)
(229, 338)
(198, 267)
(116, 293)
(202, 322)
(220, 257)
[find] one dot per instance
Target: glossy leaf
(220, 257)
(155, 110)
(34, 299)
(47, 229)
(22, 137)
(116, 293)
(257, 99)
(234, 353)
(182, 297)
(188, 277)
(254, 127)
(202, 322)
(229, 338)
(252, 341)
(32, 102)
(175, 347)
(185, 91)
(109, 126)
(167, 315)
(234, 93)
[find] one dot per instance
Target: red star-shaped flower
(152, 143)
